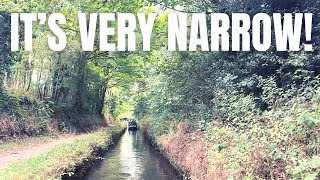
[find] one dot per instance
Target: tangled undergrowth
(187, 150)
(25, 116)
(280, 149)
(276, 146)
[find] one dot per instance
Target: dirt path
(17, 154)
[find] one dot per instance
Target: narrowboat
(132, 126)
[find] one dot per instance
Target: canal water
(133, 158)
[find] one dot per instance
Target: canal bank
(184, 147)
(64, 160)
(81, 169)
(160, 149)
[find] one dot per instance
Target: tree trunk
(55, 80)
(40, 86)
(100, 103)
(81, 87)
(29, 70)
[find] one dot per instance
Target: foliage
(279, 148)
(70, 81)
(22, 115)
(259, 110)
(225, 86)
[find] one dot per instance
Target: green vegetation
(66, 91)
(63, 159)
(255, 113)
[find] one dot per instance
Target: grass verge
(63, 159)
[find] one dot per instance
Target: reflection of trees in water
(133, 158)
(130, 163)
(135, 140)
(109, 167)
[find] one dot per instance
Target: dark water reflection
(133, 158)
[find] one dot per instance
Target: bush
(277, 148)
(23, 116)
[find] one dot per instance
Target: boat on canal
(132, 125)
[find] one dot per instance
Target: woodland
(249, 114)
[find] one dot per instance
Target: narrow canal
(133, 158)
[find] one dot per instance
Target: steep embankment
(25, 117)
(185, 148)
(284, 148)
